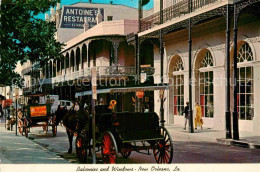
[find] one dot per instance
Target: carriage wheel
(26, 130)
(54, 130)
(163, 151)
(126, 154)
(109, 149)
(20, 127)
(81, 148)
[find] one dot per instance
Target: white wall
(215, 42)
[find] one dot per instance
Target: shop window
(206, 86)
(245, 82)
(178, 86)
(178, 94)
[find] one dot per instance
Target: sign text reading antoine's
(73, 17)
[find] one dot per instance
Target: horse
(74, 122)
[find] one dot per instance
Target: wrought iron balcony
(176, 10)
(102, 71)
(115, 71)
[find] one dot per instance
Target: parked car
(66, 103)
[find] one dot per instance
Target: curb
(239, 143)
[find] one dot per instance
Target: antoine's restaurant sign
(73, 17)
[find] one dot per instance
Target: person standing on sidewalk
(186, 114)
(198, 116)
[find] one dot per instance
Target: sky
(131, 3)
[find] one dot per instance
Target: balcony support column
(235, 113)
(65, 66)
(116, 46)
(87, 54)
(52, 74)
(56, 61)
(81, 58)
(190, 24)
(75, 60)
(228, 113)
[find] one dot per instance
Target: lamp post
(161, 94)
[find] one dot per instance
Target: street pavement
(20, 150)
(198, 147)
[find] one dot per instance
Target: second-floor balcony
(178, 9)
(102, 72)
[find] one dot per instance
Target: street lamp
(161, 94)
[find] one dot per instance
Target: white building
(208, 60)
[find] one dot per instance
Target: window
(178, 86)
(206, 87)
(178, 94)
(109, 18)
(245, 96)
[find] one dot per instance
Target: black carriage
(36, 115)
(125, 132)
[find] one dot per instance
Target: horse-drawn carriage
(124, 133)
(36, 115)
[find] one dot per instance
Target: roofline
(92, 37)
(107, 5)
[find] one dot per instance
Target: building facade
(208, 59)
(99, 42)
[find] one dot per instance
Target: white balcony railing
(102, 71)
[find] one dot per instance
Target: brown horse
(74, 122)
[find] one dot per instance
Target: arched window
(245, 96)
(178, 86)
(206, 85)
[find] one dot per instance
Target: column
(256, 118)
(56, 68)
(191, 130)
(75, 60)
(116, 46)
(69, 69)
(235, 114)
(52, 69)
(219, 96)
(81, 58)
(87, 53)
(228, 113)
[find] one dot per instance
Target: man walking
(186, 114)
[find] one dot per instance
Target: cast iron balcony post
(191, 129)
(235, 114)
(228, 113)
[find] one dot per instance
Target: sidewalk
(20, 150)
(247, 139)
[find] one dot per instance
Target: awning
(135, 89)
(122, 90)
(86, 93)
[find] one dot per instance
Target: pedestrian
(198, 118)
(76, 107)
(186, 114)
(1, 111)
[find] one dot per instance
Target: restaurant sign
(73, 17)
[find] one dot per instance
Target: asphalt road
(186, 150)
